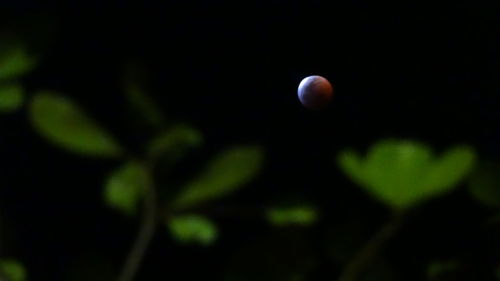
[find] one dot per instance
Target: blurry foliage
(403, 174)
(484, 184)
(229, 170)
(297, 215)
(12, 270)
(126, 186)
(61, 121)
(174, 142)
(15, 61)
(11, 97)
(193, 229)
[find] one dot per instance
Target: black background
(412, 70)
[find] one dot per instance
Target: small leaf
(11, 97)
(229, 171)
(12, 270)
(15, 62)
(139, 99)
(484, 184)
(174, 141)
(300, 215)
(125, 187)
(193, 229)
(65, 124)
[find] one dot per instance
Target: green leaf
(404, 173)
(352, 165)
(125, 187)
(193, 229)
(175, 141)
(62, 122)
(11, 97)
(15, 62)
(299, 215)
(484, 184)
(12, 270)
(449, 169)
(227, 172)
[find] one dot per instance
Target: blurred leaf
(174, 141)
(449, 169)
(143, 104)
(484, 184)
(229, 171)
(125, 187)
(404, 173)
(11, 97)
(12, 270)
(437, 269)
(193, 229)
(300, 215)
(15, 62)
(65, 124)
(351, 163)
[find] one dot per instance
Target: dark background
(231, 69)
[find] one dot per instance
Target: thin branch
(358, 265)
(145, 234)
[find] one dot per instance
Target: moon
(315, 92)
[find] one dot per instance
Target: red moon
(315, 92)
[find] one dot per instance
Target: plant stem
(145, 234)
(358, 265)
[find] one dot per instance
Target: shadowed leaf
(12, 270)
(484, 184)
(15, 62)
(227, 172)
(174, 142)
(299, 215)
(62, 122)
(11, 97)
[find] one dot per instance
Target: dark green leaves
(65, 124)
(15, 62)
(484, 184)
(12, 270)
(228, 171)
(174, 141)
(403, 173)
(126, 186)
(11, 97)
(193, 229)
(297, 215)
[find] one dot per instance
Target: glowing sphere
(315, 92)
